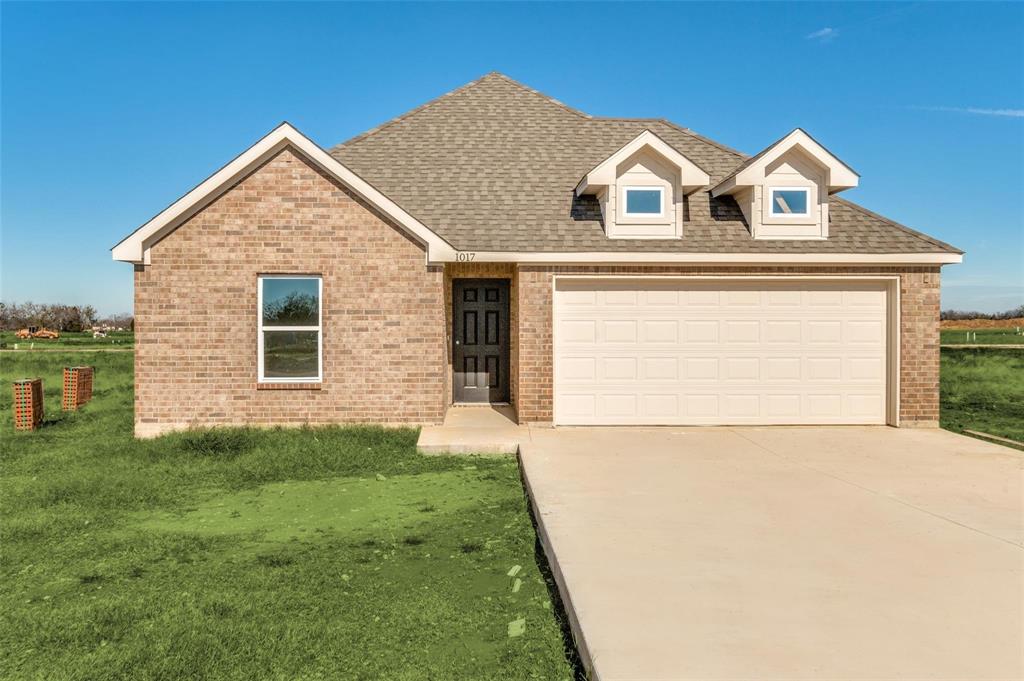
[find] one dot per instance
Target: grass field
(69, 341)
(983, 389)
(332, 553)
(980, 337)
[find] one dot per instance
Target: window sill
(288, 386)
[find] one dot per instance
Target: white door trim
(893, 317)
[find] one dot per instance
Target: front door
(480, 340)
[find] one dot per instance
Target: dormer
(783, 191)
(641, 188)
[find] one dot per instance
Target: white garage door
(719, 352)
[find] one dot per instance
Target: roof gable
(839, 176)
(135, 247)
(692, 177)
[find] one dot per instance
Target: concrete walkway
(475, 429)
(784, 553)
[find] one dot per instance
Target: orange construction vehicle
(40, 332)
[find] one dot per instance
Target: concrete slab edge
(499, 449)
(556, 571)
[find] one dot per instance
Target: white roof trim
(809, 259)
(839, 176)
(691, 176)
(135, 247)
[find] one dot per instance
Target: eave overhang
(649, 257)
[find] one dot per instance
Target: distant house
(495, 245)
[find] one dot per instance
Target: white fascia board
(691, 176)
(135, 247)
(840, 175)
(809, 259)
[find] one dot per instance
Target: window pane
(789, 201)
(643, 201)
(290, 354)
(291, 302)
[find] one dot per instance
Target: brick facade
(919, 330)
(386, 314)
(384, 341)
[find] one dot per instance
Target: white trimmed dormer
(783, 191)
(641, 187)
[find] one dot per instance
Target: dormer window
(790, 201)
(644, 201)
(784, 190)
(642, 189)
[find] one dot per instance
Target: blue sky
(111, 111)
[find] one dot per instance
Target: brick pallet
(28, 403)
(77, 387)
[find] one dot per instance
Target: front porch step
(487, 430)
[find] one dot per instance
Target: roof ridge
(401, 117)
(913, 232)
(436, 100)
(527, 88)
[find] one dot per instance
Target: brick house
(495, 245)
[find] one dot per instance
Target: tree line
(56, 316)
(963, 314)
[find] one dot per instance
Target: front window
(790, 202)
(644, 201)
(290, 343)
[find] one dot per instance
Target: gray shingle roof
(492, 166)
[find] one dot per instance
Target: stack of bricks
(28, 403)
(77, 387)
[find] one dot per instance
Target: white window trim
(318, 328)
(771, 202)
(625, 201)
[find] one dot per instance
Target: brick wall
(919, 331)
(384, 343)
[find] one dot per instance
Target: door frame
(506, 359)
(893, 316)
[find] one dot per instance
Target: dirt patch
(982, 323)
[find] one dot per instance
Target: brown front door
(480, 340)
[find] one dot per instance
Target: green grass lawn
(980, 337)
(983, 389)
(329, 553)
(70, 341)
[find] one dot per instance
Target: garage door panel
(698, 298)
(619, 369)
(660, 368)
(662, 298)
(661, 405)
(869, 369)
(700, 331)
(742, 369)
(577, 331)
(745, 331)
(637, 352)
(660, 331)
(783, 332)
(865, 332)
(782, 369)
(824, 332)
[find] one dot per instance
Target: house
(495, 245)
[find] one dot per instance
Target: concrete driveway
(784, 553)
